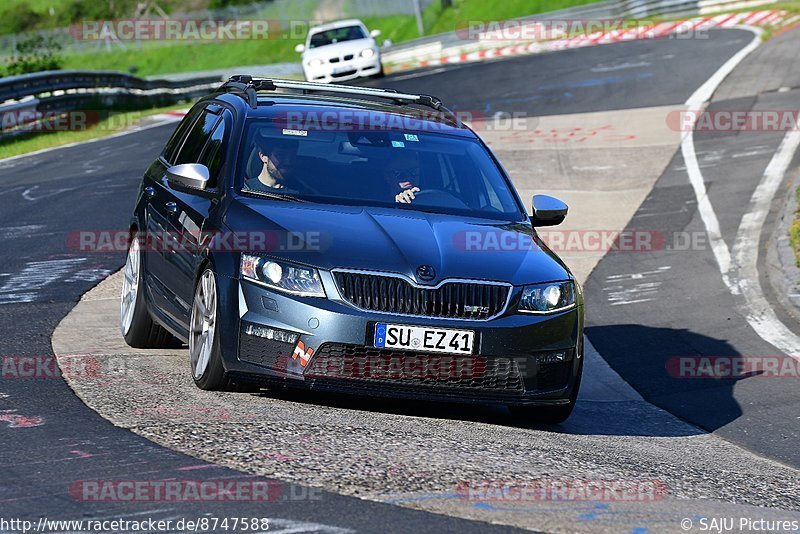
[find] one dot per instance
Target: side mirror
(548, 211)
(300, 48)
(375, 34)
(189, 175)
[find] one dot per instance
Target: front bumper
(326, 344)
(344, 70)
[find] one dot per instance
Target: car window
(453, 174)
(213, 153)
(174, 142)
(337, 35)
(196, 140)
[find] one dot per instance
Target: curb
(432, 54)
(782, 270)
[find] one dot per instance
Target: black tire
(380, 73)
(143, 332)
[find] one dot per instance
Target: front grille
(343, 74)
(394, 369)
(454, 300)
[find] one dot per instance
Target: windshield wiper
(277, 196)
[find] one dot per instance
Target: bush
(35, 54)
(794, 231)
(19, 18)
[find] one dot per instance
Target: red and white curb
(775, 18)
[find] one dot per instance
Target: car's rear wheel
(138, 328)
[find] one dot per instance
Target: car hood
(339, 49)
(398, 241)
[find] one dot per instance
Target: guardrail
(23, 99)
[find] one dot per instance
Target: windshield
(337, 35)
(424, 171)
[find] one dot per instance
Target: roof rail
(246, 86)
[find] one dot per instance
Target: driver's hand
(406, 196)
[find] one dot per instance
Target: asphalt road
(45, 197)
(652, 307)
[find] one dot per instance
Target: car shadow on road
(686, 374)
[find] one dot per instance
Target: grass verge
(107, 126)
(154, 60)
(794, 231)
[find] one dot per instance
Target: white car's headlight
(283, 276)
(316, 62)
(547, 298)
(367, 53)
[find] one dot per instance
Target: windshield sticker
(398, 144)
(412, 137)
(299, 133)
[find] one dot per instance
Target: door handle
(172, 208)
(150, 191)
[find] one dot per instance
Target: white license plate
(423, 338)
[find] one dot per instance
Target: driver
(401, 174)
(279, 166)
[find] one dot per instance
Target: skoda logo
(426, 272)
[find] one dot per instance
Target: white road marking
(89, 275)
(645, 289)
(760, 314)
(289, 526)
(28, 193)
(739, 271)
(14, 232)
(25, 285)
(696, 103)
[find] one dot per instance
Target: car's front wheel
(204, 350)
(138, 328)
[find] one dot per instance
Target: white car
(340, 51)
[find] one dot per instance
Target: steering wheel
(438, 198)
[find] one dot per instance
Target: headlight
(315, 63)
(547, 298)
(367, 53)
(283, 276)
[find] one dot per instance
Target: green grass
(116, 123)
(794, 231)
(207, 56)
